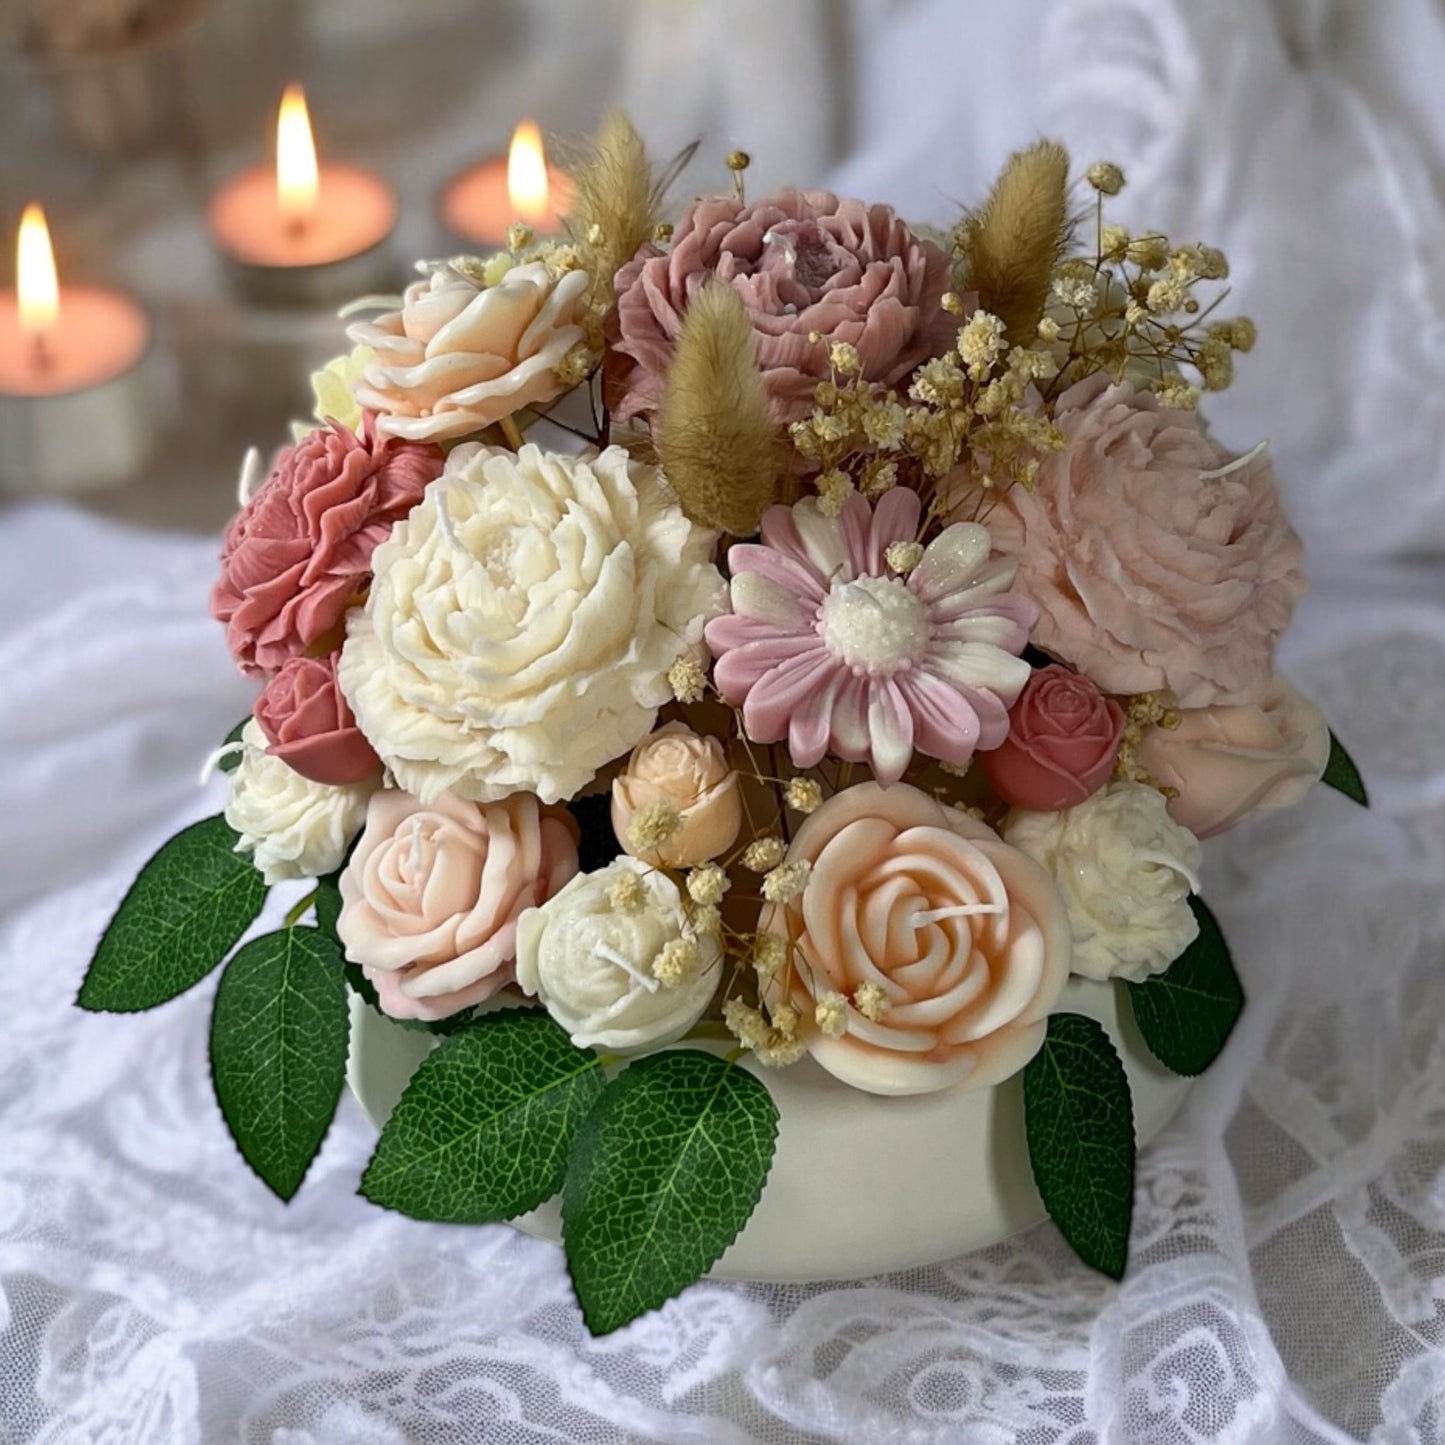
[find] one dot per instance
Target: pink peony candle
(483, 203)
(75, 370)
(303, 233)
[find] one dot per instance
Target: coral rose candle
(303, 233)
(483, 203)
(77, 376)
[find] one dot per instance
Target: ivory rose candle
(303, 233)
(77, 376)
(483, 203)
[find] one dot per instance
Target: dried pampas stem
(713, 433)
(615, 209)
(1008, 249)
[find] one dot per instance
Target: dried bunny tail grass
(615, 209)
(1008, 249)
(715, 439)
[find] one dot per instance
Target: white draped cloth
(1287, 1280)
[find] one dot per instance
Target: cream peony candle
(77, 376)
(303, 233)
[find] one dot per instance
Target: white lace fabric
(1287, 1279)
(1288, 1264)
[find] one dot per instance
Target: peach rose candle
(961, 940)
(80, 380)
(303, 234)
(1227, 763)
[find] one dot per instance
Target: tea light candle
(78, 377)
(483, 203)
(303, 234)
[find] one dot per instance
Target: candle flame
(297, 180)
(527, 182)
(35, 278)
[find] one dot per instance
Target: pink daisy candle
(832, 647)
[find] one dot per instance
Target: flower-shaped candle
(961, 941)
(829, 647)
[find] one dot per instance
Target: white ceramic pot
(860, 1184)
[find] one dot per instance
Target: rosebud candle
(78, 377)
(303, 233)
(482, 204)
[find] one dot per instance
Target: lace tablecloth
(1288, 1273)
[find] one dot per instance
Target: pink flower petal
(741, 669)
(895, 519)
(786, 571)
(944, 725)
(793, 693)
(890, 725)
(950, 561)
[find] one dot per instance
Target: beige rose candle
(432, 894)
(678, 769)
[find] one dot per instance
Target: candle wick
(42, 355)
(297, 225)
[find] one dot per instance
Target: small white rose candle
(78, 376)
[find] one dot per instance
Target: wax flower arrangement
(873, 666)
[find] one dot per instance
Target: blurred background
(1303, 136)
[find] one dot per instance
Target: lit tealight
(78, 385)
(303, 232)
(483, 203)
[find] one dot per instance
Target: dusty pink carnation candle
(298, 553)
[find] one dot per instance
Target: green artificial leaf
(229, 762)
(1187, 1012)
(328, 903)
(183, 914)
(279, 1035)
(667, 1169)
(1079, 1119)
(483, 1130)
(1342, 774)
(359, 984)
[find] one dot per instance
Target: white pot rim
(861, 1184)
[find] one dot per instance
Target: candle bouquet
(851, 698)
